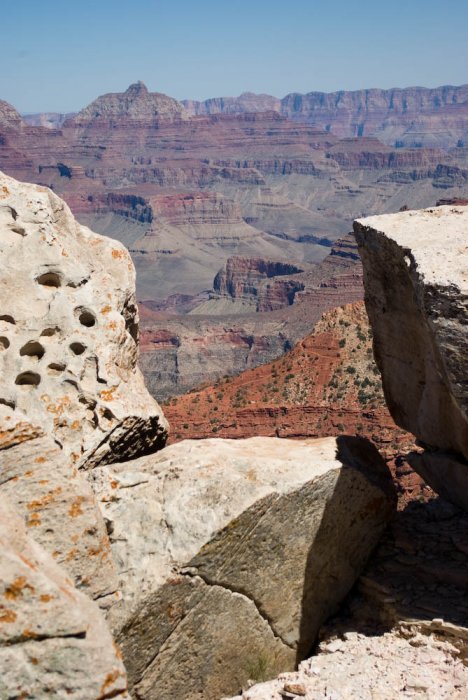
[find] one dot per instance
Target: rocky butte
(213, 563)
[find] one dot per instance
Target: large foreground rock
(57, 504)
(416, 286)
(54, 642)
(231, 554)
(416, 291)
(69, 331)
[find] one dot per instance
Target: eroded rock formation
(239, 540)
(416, 291)
(68, 331)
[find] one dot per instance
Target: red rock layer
(327, 384)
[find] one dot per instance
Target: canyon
(338, 567)
(188, 187)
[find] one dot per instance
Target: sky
(59, 56)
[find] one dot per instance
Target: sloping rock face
(416, 291)
(255, 540)
(136, 103)
(69, 331)
(53, 639)
(57, 504)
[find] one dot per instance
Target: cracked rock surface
(416, 293)
(69, 331)
(54, 643)
(232, 553)
(57, 504)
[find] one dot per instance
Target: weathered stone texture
(69, 329)
(222, 540)
(416, 285)
(54, 642)
(57, 504)
(416, 292)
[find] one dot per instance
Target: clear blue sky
(59, 56)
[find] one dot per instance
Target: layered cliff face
(179, 353)
(9, 117)
(135, 104)
(409, 116)
(254, 183)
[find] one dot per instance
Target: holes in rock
(50, 331)
(33, 349)
(77, 348)
(4, 343)
(50, 279)
(28, 379)
(8, 319)
(56, 368)
(7, 402)
(85, 317)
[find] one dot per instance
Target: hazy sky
(59, 56)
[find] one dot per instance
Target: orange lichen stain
(15, 589)
(43, 482)
(71, 555)
(64, 253)
(108, 394)
(117, 253)
(46, 598)
(45, 500)
(34, 661)
(29, 473)
(75, 508)
(58, 407)
(118, 653)
(114, 484)
(76, 425)
(5, 192)
(105, 309)
(29, 634)
(34, 520)
(40, 460)
(110, 680)
(7, 615)
(112, 326)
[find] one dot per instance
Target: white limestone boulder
(57, 504)
(69, 331)
(231, 554)
(54, 642)
(416, 292)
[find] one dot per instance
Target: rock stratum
(411, 115)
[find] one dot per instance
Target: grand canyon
(237, 184)
(233, 423)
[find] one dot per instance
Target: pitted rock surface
(69, 331)
(54, 642)
(218, 541)
(57, 504)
